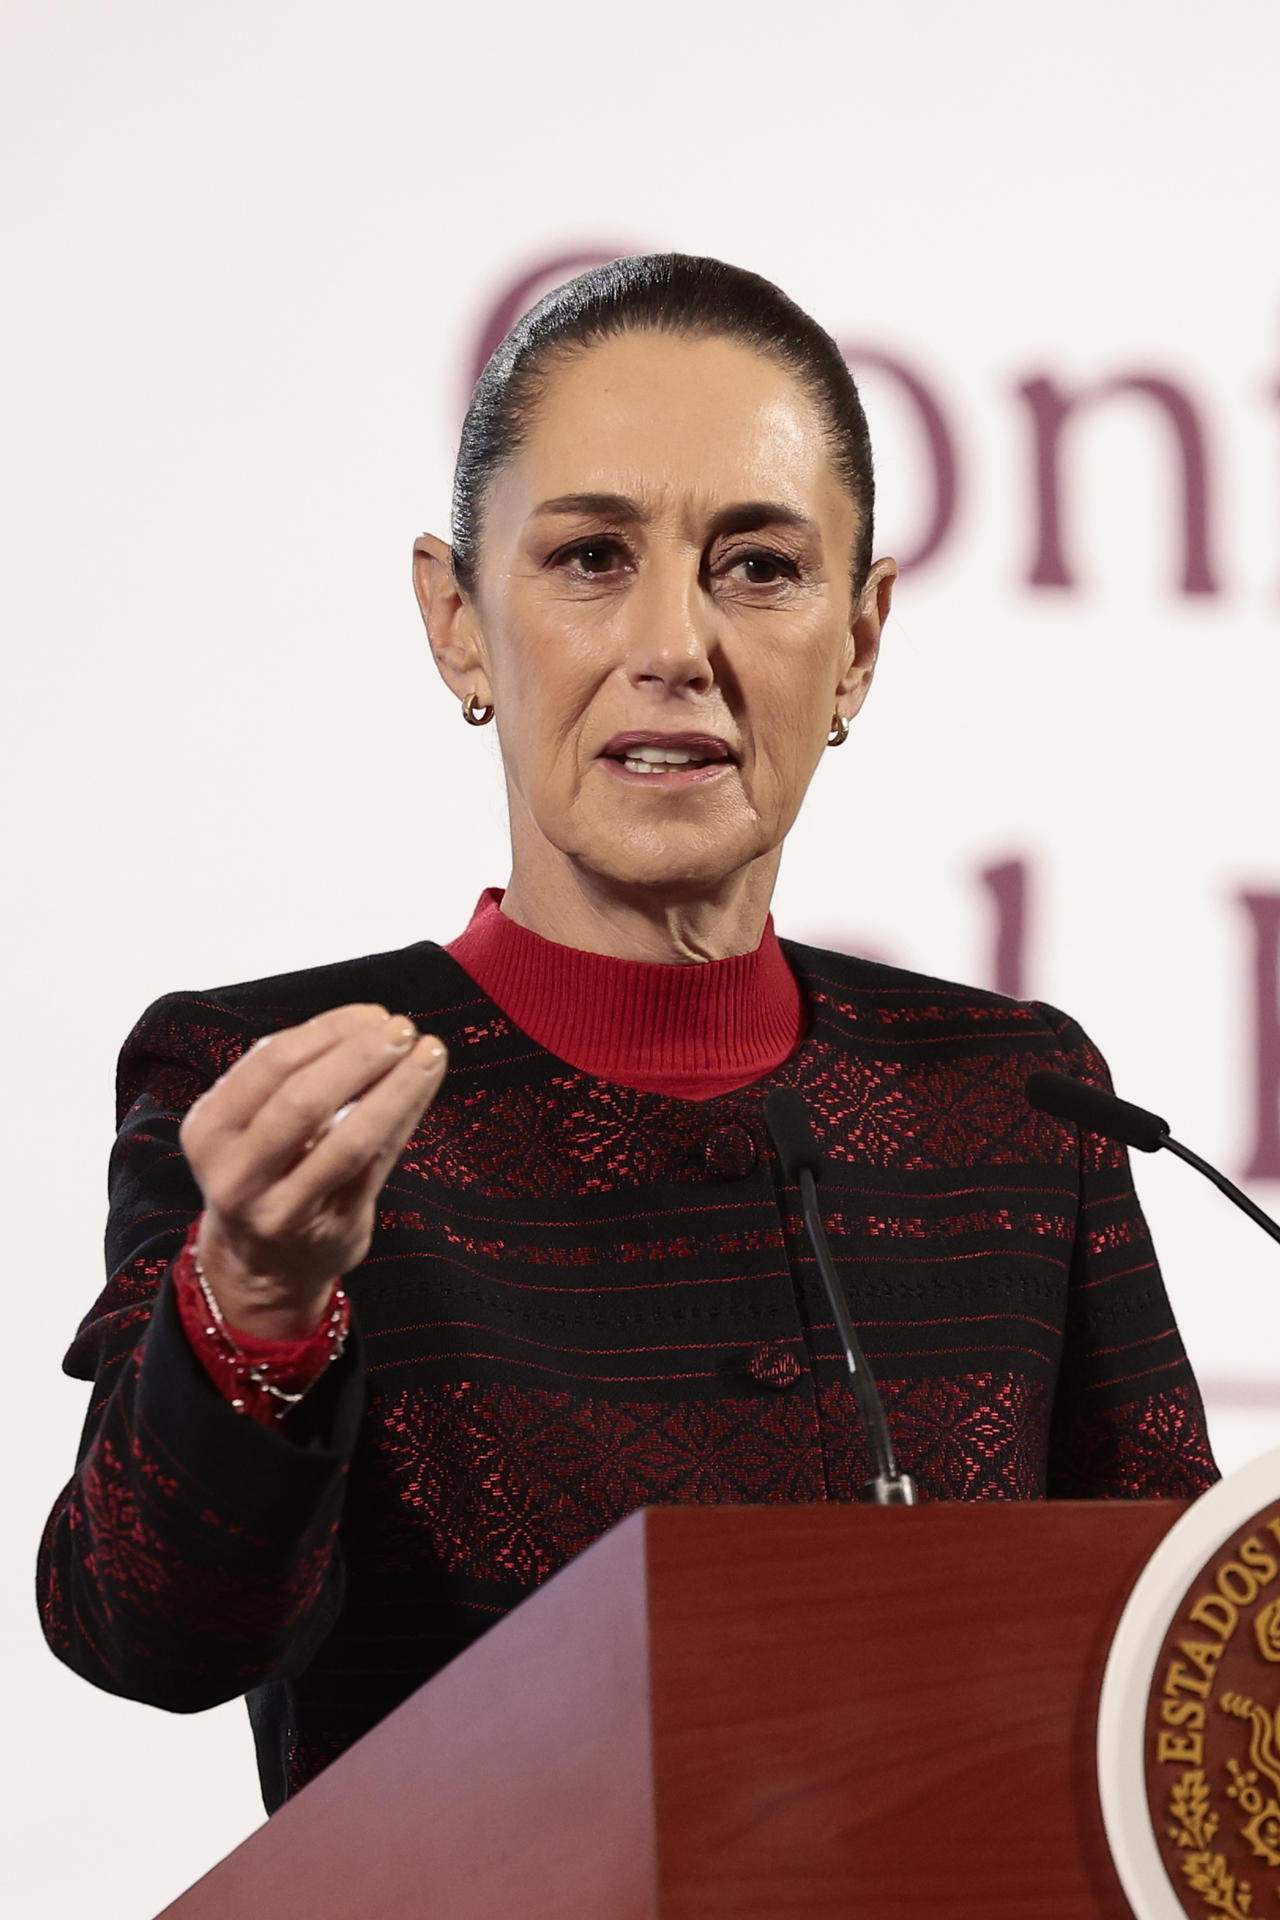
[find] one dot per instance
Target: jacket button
(774, 1366)
(731, 1153)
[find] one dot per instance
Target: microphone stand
(889, 1487)
(1223, 1185)
(1097, 1111)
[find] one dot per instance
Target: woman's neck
(664, 924)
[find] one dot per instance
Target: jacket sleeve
(1128, 1420)
(194, 1553)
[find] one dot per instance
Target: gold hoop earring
(838, 732)
(475, 713)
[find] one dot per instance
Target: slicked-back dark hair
(675, 293)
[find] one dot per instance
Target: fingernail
(432, 1052)
(402, 1035)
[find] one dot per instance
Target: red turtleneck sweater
(691, 1032)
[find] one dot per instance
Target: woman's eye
(592, 556)
(766, 569)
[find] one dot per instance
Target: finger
(364, 1145)
(303, 1106)
(385, 1157)
(234, 1101)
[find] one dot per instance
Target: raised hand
(290, 1149)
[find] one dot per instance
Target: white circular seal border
(1126, 1683)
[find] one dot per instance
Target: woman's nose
(671, 631)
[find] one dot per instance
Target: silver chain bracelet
(253, 1372)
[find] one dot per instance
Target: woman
(383, 1346)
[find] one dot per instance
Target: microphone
(1099, 1112)
(787, 1119)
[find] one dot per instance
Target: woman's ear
(452, 621)
(865, 629)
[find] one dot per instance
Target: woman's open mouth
(668, 759)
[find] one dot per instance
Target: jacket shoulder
(198, 1034)
(872, 993)
(416, 974)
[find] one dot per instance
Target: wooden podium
(756, 1712)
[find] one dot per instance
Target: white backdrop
(249, 249)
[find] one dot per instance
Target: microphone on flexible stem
(1099, 1112)
(787, 1119)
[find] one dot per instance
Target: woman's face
(663, 615)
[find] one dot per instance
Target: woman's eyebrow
(743, 516)
(750, 515)
(610, 506)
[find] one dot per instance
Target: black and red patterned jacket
(581, 1298)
